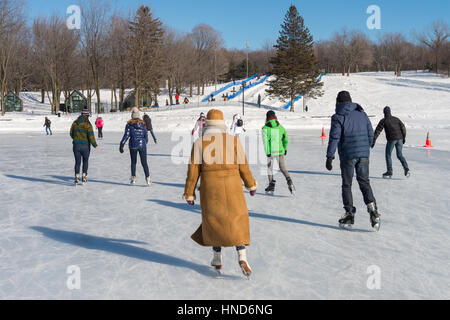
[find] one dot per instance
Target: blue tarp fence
(301, 96)
(229, 86)
(248, 87)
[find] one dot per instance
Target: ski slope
(134, 242)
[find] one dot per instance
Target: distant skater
(396, 137)
(237, 127)
(200, 125)
(148, 123)
(99, 123)
(136, 132)
(47, 125)
(83, 137)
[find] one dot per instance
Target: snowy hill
(134, 242)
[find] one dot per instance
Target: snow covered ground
(134, 242)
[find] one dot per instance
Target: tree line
(112, 51)
(352, 51)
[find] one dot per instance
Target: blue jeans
(47, 129)
(348, 168)
(143, 156)
(398, 144)
(81, 151)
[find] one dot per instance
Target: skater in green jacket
(276, 142)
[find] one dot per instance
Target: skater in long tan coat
(219, 159)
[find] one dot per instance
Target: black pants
(348, 168)
(219, 249)
(81, 151)
(100, 132)
(143, 156)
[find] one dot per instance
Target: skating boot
(77, 179)
(407, 173)
(347, 221)
(291, 186)
(84, 179)
(133, 181)
(375, 217)
(217, 261)
(388, 175)
(271, 188)
(149, 181)
(243, 263)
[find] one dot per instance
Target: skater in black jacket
(148, 123)
(396, 137)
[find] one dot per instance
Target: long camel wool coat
(219, 160)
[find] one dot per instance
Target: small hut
(13, 103)
(130, 100)
(76, 102)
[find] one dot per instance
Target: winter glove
(193, 131)
(121, 148)
(373, 145)
(252, 193)
(404, 141)
(285, 153)
(329, 164)
(269, 156)
(191, 203)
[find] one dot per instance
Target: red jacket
(99, 123)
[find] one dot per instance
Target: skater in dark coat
(47, 125)
(396, 137)
(148, 123)
(136, 132)
(352, 134)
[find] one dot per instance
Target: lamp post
(243, 98)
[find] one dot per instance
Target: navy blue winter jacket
(351, 132)
(136, 132)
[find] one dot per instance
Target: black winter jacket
(148, 122)
(394, 127)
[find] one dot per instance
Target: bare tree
(55, 48)
(205, 40)
(436, 38)
(395, 48)
(11, 25)
(117, 59)
(95, 15)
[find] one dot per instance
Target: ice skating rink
(134, 242)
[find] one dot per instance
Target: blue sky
(260, 20)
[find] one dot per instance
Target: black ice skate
(375, 217)
(407, 173)
(387, 175)
(271, 188)
(291, 186)
(347, 221)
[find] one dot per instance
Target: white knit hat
(135, 114)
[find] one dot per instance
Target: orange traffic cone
(324, 136)
(428, 143)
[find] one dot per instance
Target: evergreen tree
(240, 71)
(295, 66)
(145, 49)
